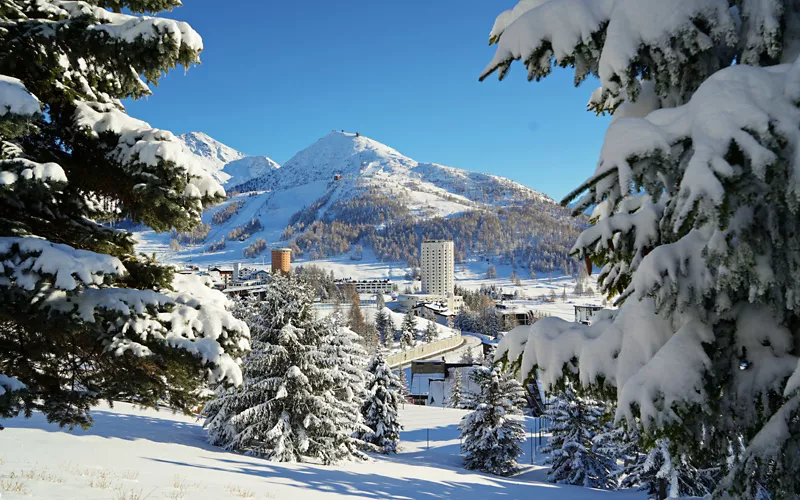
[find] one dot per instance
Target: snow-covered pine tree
(345, 361)
(382, 400)
(408, 331)
(662, 475)
(383, 323)
(488, 357)
(464, 321)
(458, 396)
(467, 357)
(695, 222)
(573, 457)
(84, 317)
(379, 301)
(491, 322)
(404, 391)
(490, 436)
(431, 333)
(301, 391)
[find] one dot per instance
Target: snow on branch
(632, 349)
(511, 15)
(15, 98)
(140, 143)
(126, 27)
(609, 38)
(192, 318)
(20, 168)
(742, 106)
(552, 29)
(27, 261)
(10, 384)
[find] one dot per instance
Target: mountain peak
(207, 147)
(225, 164)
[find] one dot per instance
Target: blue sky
(276, 76)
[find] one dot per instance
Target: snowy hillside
(225, 164)
(350, 195)
(364, 163)
(133, 453)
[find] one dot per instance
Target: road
(454, 355)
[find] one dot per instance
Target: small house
(585, 313)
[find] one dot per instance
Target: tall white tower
(438, 267)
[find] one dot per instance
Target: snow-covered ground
(133, 454)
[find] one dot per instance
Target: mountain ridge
(346, 193)
(225, 164)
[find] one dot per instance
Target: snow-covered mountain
(349, 194)
(227, 165)
(349, 164)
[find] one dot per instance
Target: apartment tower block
(282, 260)
(438, 267)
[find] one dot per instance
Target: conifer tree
(408, 330)
(576, 421)
(657, 471)
(355, 318)
(490, 435)
(456, 399)
(404, 390)
(379, 301)
(383, 323)
(431, 333)
(84, 318)
(303, 385)
(383, 396)
(371, 337)
(694, 226)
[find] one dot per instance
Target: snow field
(136, 454)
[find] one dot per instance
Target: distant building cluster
(365, 286)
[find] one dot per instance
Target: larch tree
(694, 225)
(82, 317)
(355, 318)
